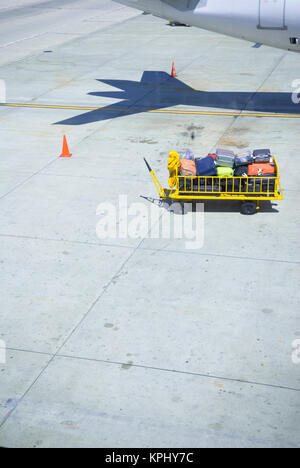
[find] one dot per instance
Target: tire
(248, 208)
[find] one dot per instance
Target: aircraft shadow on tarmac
(158, 90)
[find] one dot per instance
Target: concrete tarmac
(136, 341)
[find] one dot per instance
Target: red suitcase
(213, 155)
(259, 169)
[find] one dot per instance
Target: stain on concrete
(127, 366)
(176, 399)
(37, 443)
(216, 427)
(195, 127)
(147, 141)
(70, 425)
(267, 311)
(218, 385)
(11, 403)
(239, 130)
(230, 142)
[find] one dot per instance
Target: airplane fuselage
(275, 23)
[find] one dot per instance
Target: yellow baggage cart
(249, 190)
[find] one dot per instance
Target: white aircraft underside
(274, 23)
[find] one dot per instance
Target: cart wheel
(249, 208)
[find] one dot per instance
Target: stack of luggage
(255, 170)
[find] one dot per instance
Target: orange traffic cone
(65, 151)
(173, 73)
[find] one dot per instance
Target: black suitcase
(185, 184)
(241, 171)
(211, 185)
(265, 184)
(191, 186)
(262, 155)
(233, 185)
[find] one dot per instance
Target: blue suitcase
(243, 159)
(206, 166)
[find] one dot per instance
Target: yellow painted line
(44, 106)
(231, 114)
(158, 111)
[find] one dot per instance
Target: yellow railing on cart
(210, 187)
(227, 187)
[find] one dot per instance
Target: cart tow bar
(148, 165)
(155, 180)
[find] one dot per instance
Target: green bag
(225, 172)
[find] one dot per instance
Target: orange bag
(258, 169)
(187, 167)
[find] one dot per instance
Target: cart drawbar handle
(148, 166)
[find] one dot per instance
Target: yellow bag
(174, 154)
(173, 165)
(172, 182)
(173, 161)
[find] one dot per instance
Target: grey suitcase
(225, 158)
